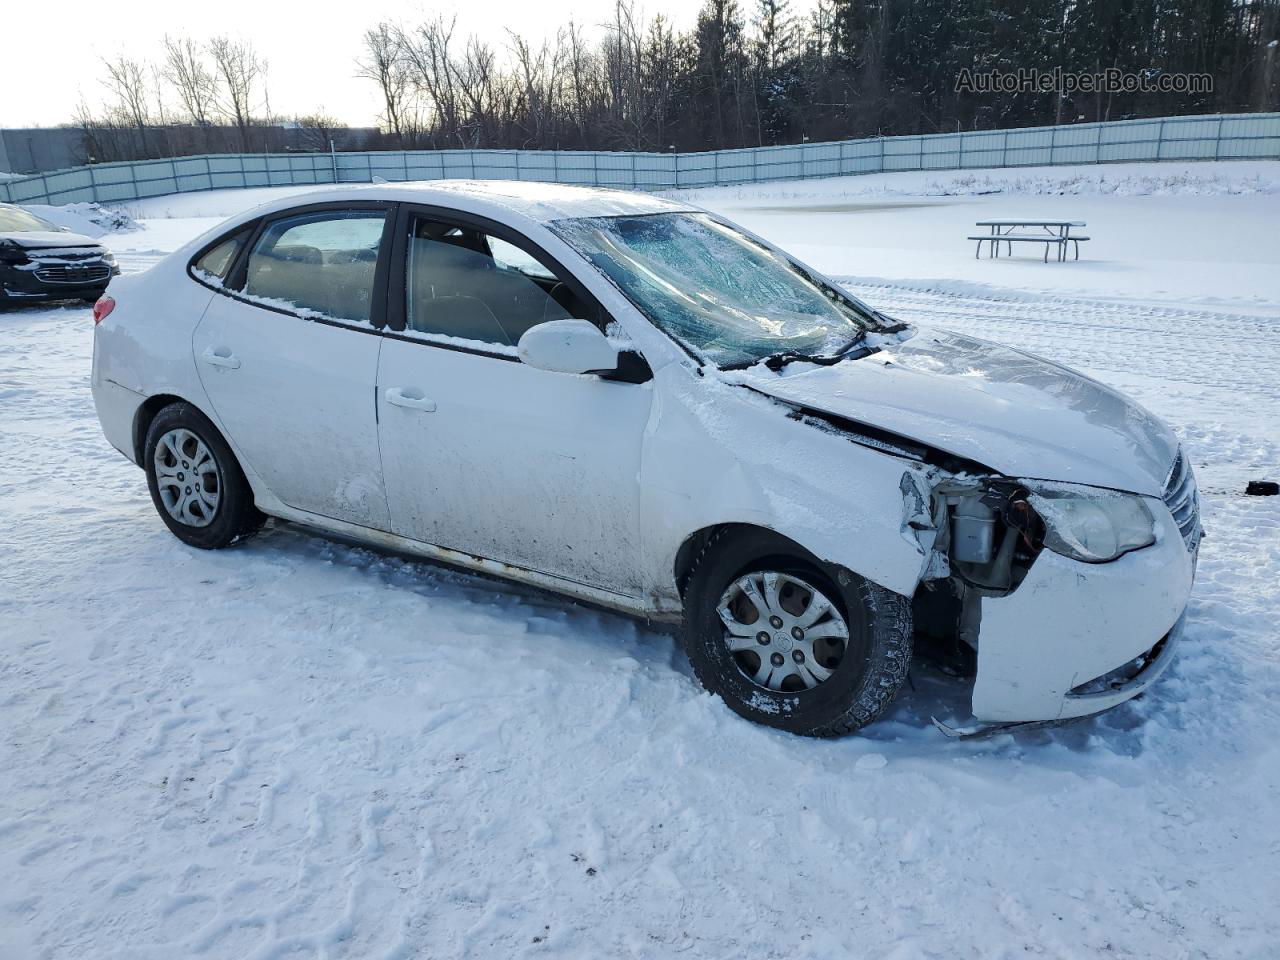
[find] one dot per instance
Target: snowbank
(87, 219)
(1124, 179)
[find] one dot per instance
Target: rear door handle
(411, 398)
(221, 357)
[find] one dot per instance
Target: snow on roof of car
(559, 201)
(539, 201)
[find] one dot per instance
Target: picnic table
(1050, 233)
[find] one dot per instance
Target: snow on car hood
(34, 239)
(1019, 414)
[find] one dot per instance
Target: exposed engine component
(991, 535)
(973, 530)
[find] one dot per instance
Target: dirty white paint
(592, 487)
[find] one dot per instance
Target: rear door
(288, 355)
(484, 454)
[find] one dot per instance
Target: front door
(485, 455)
(288, 356)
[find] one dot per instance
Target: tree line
(740, 76)
(211, 97)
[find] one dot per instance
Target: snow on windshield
(715, 289)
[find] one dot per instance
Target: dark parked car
(41, 261)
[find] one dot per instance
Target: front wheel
(789, 641)
(196, 484)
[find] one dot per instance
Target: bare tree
(662, 67)
(623, 48)
(191, 77)
(239, 70)
(479, 87)
(127, 81)
(538, 90)
(583, 94)
(384, 64)
(316, 131)
(428, 60)
(97, 138)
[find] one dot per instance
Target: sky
(311, 48)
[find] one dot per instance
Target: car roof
(542, 202)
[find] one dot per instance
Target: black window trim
(238, 268)
(396, 306)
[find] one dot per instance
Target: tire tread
(891, 618)
(242, 519)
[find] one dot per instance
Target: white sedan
(633, 402)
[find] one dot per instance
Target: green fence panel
(1230, 136)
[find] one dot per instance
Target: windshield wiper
(776, 361)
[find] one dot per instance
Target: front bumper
(20, 284)
(1069, 623)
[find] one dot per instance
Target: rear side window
(218, 259)
(318, 264)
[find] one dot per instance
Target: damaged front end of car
(1057, 600)
(985, 537)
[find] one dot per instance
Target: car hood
(1016, 413)
(36, 239)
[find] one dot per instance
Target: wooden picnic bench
(1049, 233)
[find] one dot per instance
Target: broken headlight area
(1089, 524)
(988, 536)
(989, 533)
(992, 535)
(997, 527)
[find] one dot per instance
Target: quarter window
(320, 264)
(215, 263)
(465, 284)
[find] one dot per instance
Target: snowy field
(300, 749)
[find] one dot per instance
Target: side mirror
(567, 346)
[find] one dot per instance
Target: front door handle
(411, 398)
(221, 357)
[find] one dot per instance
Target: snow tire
(235, 518)
(877, 656)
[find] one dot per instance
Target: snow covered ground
(300, 749)
(1171, 233)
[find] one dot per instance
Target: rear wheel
(196, 484)
(789, 641)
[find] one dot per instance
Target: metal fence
(1217, 137)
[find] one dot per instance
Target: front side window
(318, 264)
(464, 284)
(715, 289)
